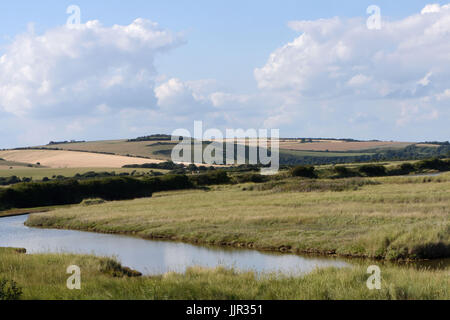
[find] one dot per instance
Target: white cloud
(389, 75)
(69, 70)
(331, 53)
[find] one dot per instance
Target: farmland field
(147, 149)
(70, 159)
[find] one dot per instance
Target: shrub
(210, 178)
(9, 290)
(304, 171)
(250, 177)
(344, 172)
(434, 164)
(91, 202)
(115, 269)
(373, 170)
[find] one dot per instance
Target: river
(153, 257)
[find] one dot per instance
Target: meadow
(43, 276)
(391, 218)
(40, 173)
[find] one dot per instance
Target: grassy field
(155, 149)
(4, 164)
(148, 149)
(390, 218)
(40, 173)
(44, 276)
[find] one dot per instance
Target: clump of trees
(61, 192)
(153, 137)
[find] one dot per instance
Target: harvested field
(71, 159)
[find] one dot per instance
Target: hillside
(70, 159)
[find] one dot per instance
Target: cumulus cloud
(341, 63)
(75, 70)
(332, 55)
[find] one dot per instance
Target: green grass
(44, 276)
(6, 164)
(391, 218)
(144, 149)
(40, 173)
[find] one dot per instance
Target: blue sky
(223, 44)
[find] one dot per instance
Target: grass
(391, 218)
(44, 276)
(40, 173)
(144, 149)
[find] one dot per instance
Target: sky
(308, 68)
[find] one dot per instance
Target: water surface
(152, 257)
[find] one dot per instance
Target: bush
(304, 171)
(250, 177)
(9, 180)
(210, 178)
(407, 168)
(373, 170)
(115, 269)
(344, 172)
(91, 202)
(9, 290)
(62, 192)
(434, 164)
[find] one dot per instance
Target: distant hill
(292, 151)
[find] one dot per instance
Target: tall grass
(386, 219)
(44, 276)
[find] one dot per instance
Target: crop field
(70, 159)
(392, 218)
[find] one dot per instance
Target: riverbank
(394, 218)
(44, 276)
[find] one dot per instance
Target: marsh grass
(308, 185)
(43, 276)
(385, 218)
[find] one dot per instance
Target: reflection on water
(152, 257)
